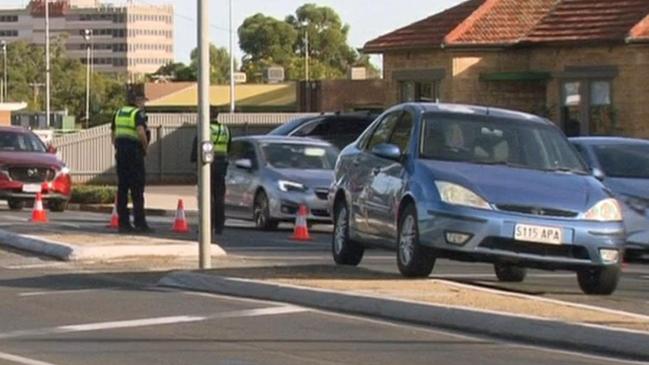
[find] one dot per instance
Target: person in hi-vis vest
(221, 138)
(130, 136)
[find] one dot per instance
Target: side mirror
(51, 149)
(243, 163)
(598, 174)
(387, 151)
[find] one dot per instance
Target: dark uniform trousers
(131, 177)
(218, 171)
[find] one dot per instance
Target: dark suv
(339, 129)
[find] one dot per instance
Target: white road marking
(469, 276)
(36, 266)
(148, 322)
(21, 360)
(60, 292)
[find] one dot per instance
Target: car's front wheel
(599, 281)
(510, 273)
(57, 205)
(344, 250)
(16, 204)
(413, 259)
(261, 213)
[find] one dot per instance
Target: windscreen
(624, 160)
(20, 142)
(299, 156)
(490, 140)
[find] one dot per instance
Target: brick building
(582, 63)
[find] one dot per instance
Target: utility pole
(47, 62)
(306, 68)
(203, 129)
(4, 90)
(232, 84)
(87, 36)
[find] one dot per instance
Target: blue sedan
(623, 166)
(475, 184)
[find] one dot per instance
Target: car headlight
(285, 185)
(607, 210)
(458, 195)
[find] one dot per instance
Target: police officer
(221, 138)
(131, 140)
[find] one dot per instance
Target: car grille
(538, 249)
(322, 194)
(31, 174)
(320, 212)
(546, 212)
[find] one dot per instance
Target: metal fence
(91, 156)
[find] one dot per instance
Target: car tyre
(345, 251)
(413, 259)
(599, 281)
(57, 206)
(510, 273)
(15, 204)
(261, 213)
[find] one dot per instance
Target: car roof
(13, 129)
(268, 138)
(607, 140)
(477, 110)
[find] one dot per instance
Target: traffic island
(438, 303)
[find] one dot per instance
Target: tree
(219, 64)
(68, 84)
(176, 71)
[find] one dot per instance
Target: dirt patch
(433, 291)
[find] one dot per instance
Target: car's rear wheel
(345, 251)
(261, 213)
(16, 204)
(599, 281)
(57, 205)
(510, 273)
(413, 259)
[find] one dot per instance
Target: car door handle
(376, 171)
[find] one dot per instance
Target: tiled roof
(427, 33)
(589, 20)
(503, 22)
(508, 22)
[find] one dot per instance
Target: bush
(87, 194)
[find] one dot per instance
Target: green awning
(516, 76)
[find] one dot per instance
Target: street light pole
(47, 62)
(306, 68)
(232, 85)
(87, 35)
(3, 92)
(203, 129)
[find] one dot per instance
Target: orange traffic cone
(180, 223)
(39, 215)
(301, 231)
(114, 218)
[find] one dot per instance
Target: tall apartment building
(132, 39)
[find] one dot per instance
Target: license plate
(540, 234)
(32, 188)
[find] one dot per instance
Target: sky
(367, 19)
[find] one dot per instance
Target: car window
(242, 150)
(286, 128)
(491, 140)
(299, 156)
(383, 132)
(350, 126)
(583, 153)
(20, 142)
(311, 128)
(401, 133)
(624, 160)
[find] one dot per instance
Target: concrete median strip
(106, 247)
(435, 303)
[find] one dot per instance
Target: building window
(8, 33)
(8, 18)
(427, 91)
(587, 107)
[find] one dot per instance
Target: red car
(28, 167)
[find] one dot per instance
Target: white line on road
(59, 292)
(36, 266)
(147, 322)
(472, 276)
(21, 360)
